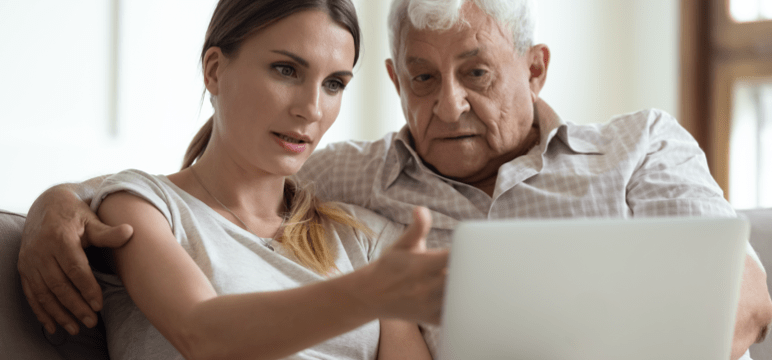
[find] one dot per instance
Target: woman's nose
(308, 104)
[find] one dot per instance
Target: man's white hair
(513, 15)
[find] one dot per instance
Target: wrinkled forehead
(475, 30)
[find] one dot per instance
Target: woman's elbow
(194, 342)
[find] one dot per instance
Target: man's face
(467, 94)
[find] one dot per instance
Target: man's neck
(488, 183)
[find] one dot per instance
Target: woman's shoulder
(134, 177)
(154, 189)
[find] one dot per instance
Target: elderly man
(479, 144)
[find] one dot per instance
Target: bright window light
(750, 10)
(765, 9)
(750, 146)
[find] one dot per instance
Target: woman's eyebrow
(343, 74)
(298, 59)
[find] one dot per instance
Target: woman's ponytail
(198, 145)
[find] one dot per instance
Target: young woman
(230, 258)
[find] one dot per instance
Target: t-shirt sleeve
(139, 184)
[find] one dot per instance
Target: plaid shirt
(642, 164)
(637, 165)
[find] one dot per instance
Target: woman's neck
(254, 196)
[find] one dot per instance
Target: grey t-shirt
(235, 261)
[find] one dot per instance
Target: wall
(608, 57)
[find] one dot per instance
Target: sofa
(23, 338)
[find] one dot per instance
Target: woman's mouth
(291, 144)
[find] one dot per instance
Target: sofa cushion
(21, 335)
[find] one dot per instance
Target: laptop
(593, 289)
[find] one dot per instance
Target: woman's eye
(335, 86)
(285, 70)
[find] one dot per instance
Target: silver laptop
(593, 289)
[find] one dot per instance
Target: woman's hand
(408, 281)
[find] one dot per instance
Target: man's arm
(754, 311)
(55, 273)
(674, 180)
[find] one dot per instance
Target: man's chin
(462, 171)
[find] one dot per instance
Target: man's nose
(307, 104)
(452, 101)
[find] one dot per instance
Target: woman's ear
(213, 64)
(539, 61)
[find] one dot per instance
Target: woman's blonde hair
(304, 231)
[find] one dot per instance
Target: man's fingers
(416, 231)
(74, 263)
(66, 299)
(46, 299)
(40, 313)
(99, 234)
(66, 293)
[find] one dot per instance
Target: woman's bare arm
(177, 298)
(402, 340)
(54, 270)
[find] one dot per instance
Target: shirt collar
(551, 126)
(401, 153)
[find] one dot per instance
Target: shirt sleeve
(673, 177)
(345, 171)
(139, 184)
(384, 232)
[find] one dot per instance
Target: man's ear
(539, 61)
(213, 64)
(392, 74)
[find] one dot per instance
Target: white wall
(608, 57)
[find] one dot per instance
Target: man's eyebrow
(411, 60)
(298, 59)
(414, 60)
(469, 54)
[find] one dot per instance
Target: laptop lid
(593, 289)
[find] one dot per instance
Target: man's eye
(479, 72)
(422, 78)
(285, 70)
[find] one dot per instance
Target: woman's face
(277, 96)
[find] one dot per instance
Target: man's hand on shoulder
(754, 311)
(55, 273)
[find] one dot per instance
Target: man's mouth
(460, 137)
